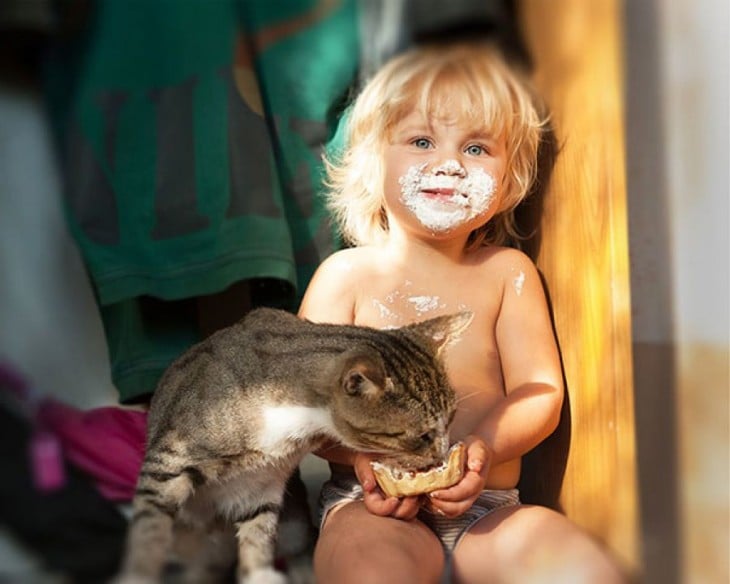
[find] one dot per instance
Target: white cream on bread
(398, 482)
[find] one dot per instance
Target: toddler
(440, 147)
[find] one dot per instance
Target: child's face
(442, 176)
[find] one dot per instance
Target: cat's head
(393, 396)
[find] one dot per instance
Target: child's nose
(450, 167)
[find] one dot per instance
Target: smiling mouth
(444, 192)
(446, 195)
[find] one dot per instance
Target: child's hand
(375, 501)
(453, 501)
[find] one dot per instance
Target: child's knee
(373, 552)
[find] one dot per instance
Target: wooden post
(583, 255)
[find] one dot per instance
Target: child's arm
(531, 367)
(533, 386)
(329, 296)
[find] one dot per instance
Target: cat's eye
(428, 437)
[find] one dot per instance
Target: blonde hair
(464, 83)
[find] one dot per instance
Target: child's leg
(531, 545)
(356, 546)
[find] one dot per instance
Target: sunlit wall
(677, 166)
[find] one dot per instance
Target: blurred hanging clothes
(191, 136)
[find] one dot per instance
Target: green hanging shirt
(191, 134)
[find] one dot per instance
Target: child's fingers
(477, 456)
(450, 509)
(407, 508)
(379, 505)
(470, 485)
(364, 473)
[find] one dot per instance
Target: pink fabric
(46, 459)
(106, 443)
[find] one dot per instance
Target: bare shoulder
(510, 274)
(499, 261)
(330, 296)
(346, 267)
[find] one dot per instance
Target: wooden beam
(583, 255)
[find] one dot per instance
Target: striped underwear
(344, 487)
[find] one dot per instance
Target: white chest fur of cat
(232, 418)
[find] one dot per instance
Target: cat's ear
(443, 330)
(362, 375)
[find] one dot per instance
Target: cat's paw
(265, 576)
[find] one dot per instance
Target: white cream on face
(450, 167)
(473, 194)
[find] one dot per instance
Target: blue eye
(475, 149)
(422, 143)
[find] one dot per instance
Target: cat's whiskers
(465, 397)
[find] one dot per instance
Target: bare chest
(472, 362)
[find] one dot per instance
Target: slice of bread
(396, 482)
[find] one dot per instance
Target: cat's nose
(442, 444)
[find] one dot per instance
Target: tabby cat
(232, 418)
